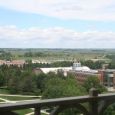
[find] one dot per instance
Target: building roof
(83, 68)
(55, 69)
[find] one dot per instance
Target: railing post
(37, 111)
(94, 103)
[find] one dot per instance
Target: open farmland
(50, 55)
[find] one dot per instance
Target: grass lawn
(24, 111)
(1, 101)
(13, 98)
(4, 91)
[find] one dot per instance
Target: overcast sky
(57, 23)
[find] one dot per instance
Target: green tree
(40, 81)
(93, 65)
(92, 81)
(112, 64)
(110, 110)
(57, 87)
(13, 85)
(2, 79)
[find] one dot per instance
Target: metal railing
(97, 104)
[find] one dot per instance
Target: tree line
(22, 80)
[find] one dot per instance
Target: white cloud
(66, 9)
(11, 36)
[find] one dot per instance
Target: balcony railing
(97, 104)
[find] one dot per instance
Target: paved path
(5, 100)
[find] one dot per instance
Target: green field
(24, 111)
(16, 98)
(4, 91)
(58, 54)
(1, 100)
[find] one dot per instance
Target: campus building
(18, 63)
(81, 73)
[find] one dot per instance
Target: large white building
(76, 67)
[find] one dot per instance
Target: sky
(57, 24)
